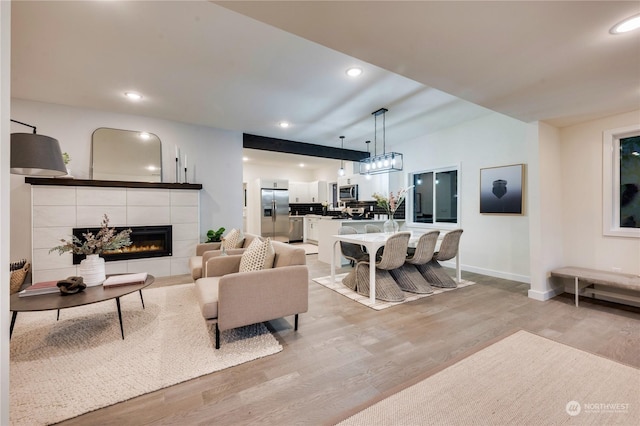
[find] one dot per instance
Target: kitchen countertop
(317, 216)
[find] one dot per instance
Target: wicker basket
(17, 278)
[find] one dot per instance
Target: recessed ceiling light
(144, 135)
(245, 158)
(354, 71)
(629, 24)
(301, 164)
(284, 124)
(133, 96)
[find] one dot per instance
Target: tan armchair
(211, 250)
(233, 299)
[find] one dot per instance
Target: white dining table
(372, 242)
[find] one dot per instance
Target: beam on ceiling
(301, 148)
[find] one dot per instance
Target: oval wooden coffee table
(49, 302)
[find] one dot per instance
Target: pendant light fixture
(385, 162)
(368, 175)
(341, 169)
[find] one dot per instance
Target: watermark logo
(573, 408)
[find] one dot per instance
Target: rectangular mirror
(126, 155)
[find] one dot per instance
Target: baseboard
(489, 272)
(544, 295)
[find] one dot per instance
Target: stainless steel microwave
(348, 193)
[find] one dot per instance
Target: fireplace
(148, 241)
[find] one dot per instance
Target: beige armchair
(233, 299)
(207, 250)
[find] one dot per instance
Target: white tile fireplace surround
(56, 210)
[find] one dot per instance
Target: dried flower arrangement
(105, 239)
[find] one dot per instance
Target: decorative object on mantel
(385, 162)
(67, 159)
(185, 169)
(391, 204)
(177, 164)
(92, 267)
(35, 155)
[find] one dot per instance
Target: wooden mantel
(110, 183)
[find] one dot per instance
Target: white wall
(545, 208)
(5, 88)
(495, 245)
(583, 241)
(215, 157)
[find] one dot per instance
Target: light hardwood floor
(344, 354)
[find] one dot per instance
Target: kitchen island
(326, 227)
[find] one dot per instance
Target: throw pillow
(256, 256)
(240, 241)
(231, 239)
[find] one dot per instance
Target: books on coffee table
(125, 279)
(44, 287)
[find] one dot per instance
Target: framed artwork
(501, 189)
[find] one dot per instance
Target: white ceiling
(201, 63)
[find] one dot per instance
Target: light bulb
(368, 176)
(386, 162)
(340, 171)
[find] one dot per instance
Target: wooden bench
(614, 281)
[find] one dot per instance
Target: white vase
(92, 270)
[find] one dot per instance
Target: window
(435, 197)
(621, 182)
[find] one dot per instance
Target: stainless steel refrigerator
(274, 214)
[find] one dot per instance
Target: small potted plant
(66, 158)
(214, 236)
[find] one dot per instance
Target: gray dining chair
(352, 252)
(407, 276)
(386, 287)
(432, 271)
(370, 228)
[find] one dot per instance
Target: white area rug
(338, 287)
(61, 369)
(308, 248)
(523, 379)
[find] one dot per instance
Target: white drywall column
(5, 96)
(544, 174)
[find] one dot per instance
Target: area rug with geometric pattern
(338, 287)
(61, 369)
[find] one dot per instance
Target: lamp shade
(36, 155)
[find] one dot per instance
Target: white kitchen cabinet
(311, 229)
(299, 192)
(317, 191)
(308, 192)
(274, 183)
